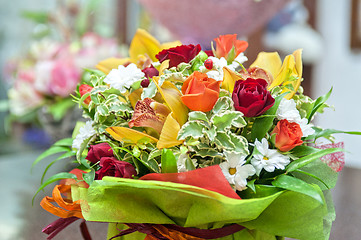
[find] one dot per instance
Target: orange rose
(200, 93)
(225, 43)
(288, 135)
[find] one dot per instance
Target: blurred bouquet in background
(43, 78)
(185, 143)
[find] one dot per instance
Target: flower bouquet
(183, 143)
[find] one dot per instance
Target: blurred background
(33, 32)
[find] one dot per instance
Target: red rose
(200, 93)
(110, 166)
(177, 55)
(98, 151)
(288, 135)
(251, 97)
(84, 89)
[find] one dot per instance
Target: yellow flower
(284, 74)
(143, 49)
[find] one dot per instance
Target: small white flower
(235, 171)
(218, 65)
(268, 159)
(181, 163)
(85, 132)
(287, 110)
(123, 77)
(240, 59)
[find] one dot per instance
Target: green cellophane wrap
(269, 213)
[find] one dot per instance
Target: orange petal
(201, 102)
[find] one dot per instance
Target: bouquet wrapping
(185, 143)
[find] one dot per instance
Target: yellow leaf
(108, 64)
(127, 135)
(269, 61)
(169, 133)
(143, 44)
(172, 97)
(229, 79)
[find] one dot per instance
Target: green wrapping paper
(272, 213)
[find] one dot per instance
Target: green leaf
(319, 132)
(197, 115)
(250, 184)
(224, 140)
(51, 151)
(231, 55)
(240, 143)
(310, 158)
(262, 125)
(149, 91)
(189, 164)
(63, 156)
(82, 99)
(168, 162)
(313, 176)
(60, 108)
(191, 129)
(210, 133)
(301, 151)
(65, 142)
(318, 103)
(89, 176)
(227, 119)
(223, 104)
(36, 16)
(297, 185)
(56, 177)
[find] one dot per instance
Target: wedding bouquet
(183, 143)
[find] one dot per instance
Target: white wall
(341, 68)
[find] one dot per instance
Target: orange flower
(200, 93)
(225, 43)
(288, 135)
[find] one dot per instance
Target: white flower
(240, 59)
(123, 77)
(218, 65)
(235, 171)
(85, 132)
(287, 110)
(181, 163)
(268, 159)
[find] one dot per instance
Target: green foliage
(169, 162)
(318, 104)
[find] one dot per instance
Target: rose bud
(225, 43)
(288, 135)
(110, 166)
(251, 97)
(84, 89)
(177, 55)
(150, 72)
(96, 152)
(200, 93)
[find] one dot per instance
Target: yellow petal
(269, 61)
(296, 72)
(285, 71)
(108, 64)
(163, 66)
(229, 79)
(170, 44)
(168, 136)
(143, 44)
(128, 135)
(172, 97)
(135, 96)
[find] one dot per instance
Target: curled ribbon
(67, 208)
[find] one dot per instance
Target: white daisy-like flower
(236, 171)
(85, 132)
(287, 110)
(181, 163)
(268, 159)
(124, 77)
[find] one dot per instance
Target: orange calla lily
(67, 208)
(143, 46)
(281, 72)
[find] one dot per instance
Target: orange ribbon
(171, 234)
(67, 208)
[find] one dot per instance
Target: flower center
(265, 158)
(232, 171)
